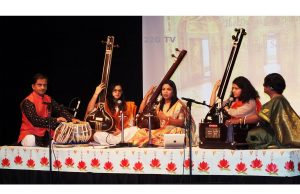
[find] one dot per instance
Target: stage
(149, 162)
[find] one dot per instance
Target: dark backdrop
(68, 50)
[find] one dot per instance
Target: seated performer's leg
(102, 138)
(259, 138)
(129, 133)
(105, 138)
(28, 141)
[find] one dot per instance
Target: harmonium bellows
(214, 135)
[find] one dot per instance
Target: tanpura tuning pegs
(244, 32)
(173, 56)
(234, 38)
(105, 42)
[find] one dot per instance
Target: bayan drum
(72, 133)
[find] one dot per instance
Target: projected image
(271, 45)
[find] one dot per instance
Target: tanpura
(100, 119)
(142, 118)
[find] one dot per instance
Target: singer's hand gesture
(162, 116)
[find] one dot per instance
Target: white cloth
(104, 138)
(28, 141)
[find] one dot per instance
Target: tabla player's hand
(61, 119)
(74, 120)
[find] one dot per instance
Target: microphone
(159, 98)
(228, 103)
(77, 107)
(119, 102)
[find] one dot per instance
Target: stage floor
(159, 161)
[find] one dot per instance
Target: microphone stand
(149, 115)
(189, 124)
(196, 102)
(49, 107)
(189, 127)
(122, 142)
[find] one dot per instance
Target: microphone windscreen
(159, 98)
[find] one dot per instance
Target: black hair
(276, 81)
(39, 76)
(174, 95)
(248, 91)
(111, 102)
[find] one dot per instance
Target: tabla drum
(72, 133)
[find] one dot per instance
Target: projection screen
(271, 45)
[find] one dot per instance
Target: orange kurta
(41, 109)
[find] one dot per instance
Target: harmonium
(214, 135)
